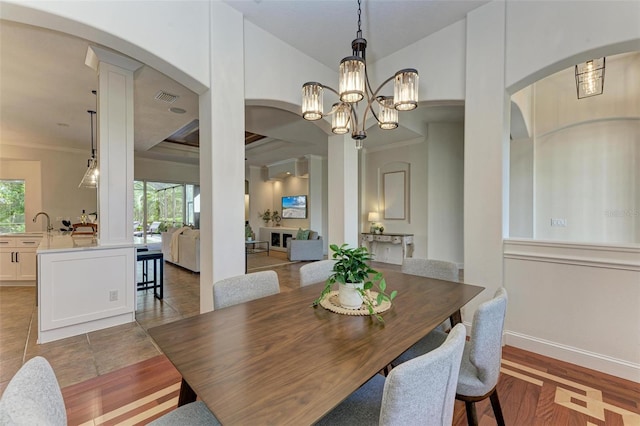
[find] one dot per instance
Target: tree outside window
(12, 206)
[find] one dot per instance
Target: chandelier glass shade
(353, 87)
(590, 78)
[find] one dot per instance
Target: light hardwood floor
(118, 376)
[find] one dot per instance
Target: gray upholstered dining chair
(480, 367)
(192, 414)
(418, 392)
(316, 272)
(33, 397)
(430, 268)
(243, 288)
(439, 269)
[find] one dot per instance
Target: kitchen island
(83, 286)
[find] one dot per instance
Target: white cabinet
(18, 258)
(277, 236)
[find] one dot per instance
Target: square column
(222, 169)
(343, 203)
(115, 144)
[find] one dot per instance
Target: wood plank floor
(533, 389)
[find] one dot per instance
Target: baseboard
(605, 364)
(31, 283)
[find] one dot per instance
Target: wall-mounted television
(294, 207)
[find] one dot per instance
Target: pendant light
(90, 178)
(353, 87)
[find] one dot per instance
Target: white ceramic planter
(348, 295)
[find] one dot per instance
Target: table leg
(187, 394)
(456, 318)
(158, 283)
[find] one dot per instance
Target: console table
(388, 248)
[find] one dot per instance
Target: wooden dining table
(278, 360)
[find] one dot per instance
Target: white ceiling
(45, 87)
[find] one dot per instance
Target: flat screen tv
(294, 207)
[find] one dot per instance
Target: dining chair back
(420, 391)
(316, 272)
(243, 288)
(429, 268)
(425, 387)
(480, 368)
(33, 397)
(439, 269)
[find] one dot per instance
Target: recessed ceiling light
(177, 110)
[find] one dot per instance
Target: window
(170, 204)
(12, 206)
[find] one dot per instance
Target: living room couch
(181, 246)
(305, 249)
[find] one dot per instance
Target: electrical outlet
(113, 295)
(559, 222)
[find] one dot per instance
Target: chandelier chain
(359, 33)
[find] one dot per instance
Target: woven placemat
(331, 303)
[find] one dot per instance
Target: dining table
(279, 360)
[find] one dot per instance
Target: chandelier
(590, 78)
(354, 87)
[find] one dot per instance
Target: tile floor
(89, 355)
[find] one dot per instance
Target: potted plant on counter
(352, 272)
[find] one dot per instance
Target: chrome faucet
(49, 227)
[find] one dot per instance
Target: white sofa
(187, 252)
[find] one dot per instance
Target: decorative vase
(349, 296)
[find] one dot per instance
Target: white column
(486, 139)
(222, 155)
(115, 144)
(317, 196)
(343, 211)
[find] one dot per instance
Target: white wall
(126, 27)
(165, 171)
(289, 70)
(415, 154)
(56, 183)
(291, 186)
(545, 37)
(587, 157)
(439, 59)
(521, 189)
(541, 38)
(575, 302)
(445, 193)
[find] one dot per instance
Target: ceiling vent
(166, 97)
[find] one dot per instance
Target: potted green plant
(266, 216)
(352, 272)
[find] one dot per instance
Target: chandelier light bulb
(405, 90)
(352, 81)
(387, 114)
(340, 119)
(312, 101)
